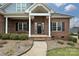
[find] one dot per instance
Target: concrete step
(40, 38)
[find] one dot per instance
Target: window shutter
(27, 26)
(16, 26)
(51, 26)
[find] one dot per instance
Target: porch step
(40, 38)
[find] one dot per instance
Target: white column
(6, 25)
(29, 26)
(49, 27)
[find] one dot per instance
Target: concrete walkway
(39, 49)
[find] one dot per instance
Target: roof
(54, 14)
(4, 5)
(59, 14)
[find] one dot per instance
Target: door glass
(35, 27)
(42, 27)
(39, 28)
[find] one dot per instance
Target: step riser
(40, 38)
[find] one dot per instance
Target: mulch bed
(14, 47)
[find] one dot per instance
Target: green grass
(64, 52)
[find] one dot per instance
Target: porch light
(32, 17)
(47, 17)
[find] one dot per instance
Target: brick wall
(59, 34)
(1, 24)
(12, 25)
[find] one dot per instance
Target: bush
(1, 35)
(18, 36)
(73, 34)
(14, 37)
(60, 42)
(23, 36)
(6, 36)
(70, 43)
(73, 39)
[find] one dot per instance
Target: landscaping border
(26, 50)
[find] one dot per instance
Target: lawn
(71, 51)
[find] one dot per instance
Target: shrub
(70, 43)
(18, 36)
(23, 36)
(73, 39)
(73, 34)
(60, 42)
(6, 36)
(14, 37)
(1, 35)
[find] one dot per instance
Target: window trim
(22, 26)
(21, 7)
(17, 8)
(57, 27)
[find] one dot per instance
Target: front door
(39, 28)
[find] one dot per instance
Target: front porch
(39, 25)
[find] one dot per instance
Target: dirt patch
(14, 47)
(52, 44)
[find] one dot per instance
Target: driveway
(39, 49)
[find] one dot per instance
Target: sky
(69, 9)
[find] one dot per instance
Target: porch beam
(39, 14)
(17, 16)
(6, 25)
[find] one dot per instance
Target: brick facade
(1, 24)
(59, 34)
(12, 25)
(56, 34)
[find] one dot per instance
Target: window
(54, 26)
(57, 26)
(20, 7)
(19, 26)
(22, 26)
(23, 6)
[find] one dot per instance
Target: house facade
(36, 20)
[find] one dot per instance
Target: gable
(39, 7)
